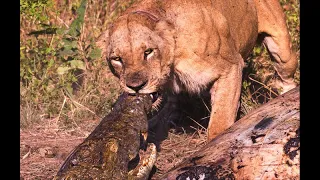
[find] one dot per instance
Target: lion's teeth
(151, 96)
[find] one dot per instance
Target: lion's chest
(192, 77)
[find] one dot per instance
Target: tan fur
(197, 43)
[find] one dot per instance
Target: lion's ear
(103, 42)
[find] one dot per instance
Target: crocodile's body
(106, 152)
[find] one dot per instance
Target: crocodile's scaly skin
(106, 152)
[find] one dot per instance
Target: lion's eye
(148, 52)
(116, 61)
(115, 58)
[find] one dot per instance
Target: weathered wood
(265, 144)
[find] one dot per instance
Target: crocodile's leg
(147, 161)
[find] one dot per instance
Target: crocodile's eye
(148, 53)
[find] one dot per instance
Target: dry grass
(176, 148)
(44, 147)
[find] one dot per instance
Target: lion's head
(139, 50)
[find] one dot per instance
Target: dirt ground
(44, 147)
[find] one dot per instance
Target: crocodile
(118, 140)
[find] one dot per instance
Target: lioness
(191, 45)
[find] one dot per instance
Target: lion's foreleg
(225, 95)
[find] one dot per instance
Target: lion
(192, 45)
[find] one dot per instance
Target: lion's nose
(136, 86)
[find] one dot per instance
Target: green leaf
(22, 73)
(29, 70)
(95, 53)
(246, 84)
(69, 89)
(74, 79)
(48, 50)
(75, 27)
(61, 31)
(74, 44)
(69, 44)
(22, 56)
(77, 64)
(67, 52)
(257, 50)
(62, 70)
(50, 63)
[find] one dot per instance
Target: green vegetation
(62, 75)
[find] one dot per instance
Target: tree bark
(265, 144)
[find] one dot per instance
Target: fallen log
(265, 144)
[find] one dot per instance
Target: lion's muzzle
(136, 81)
